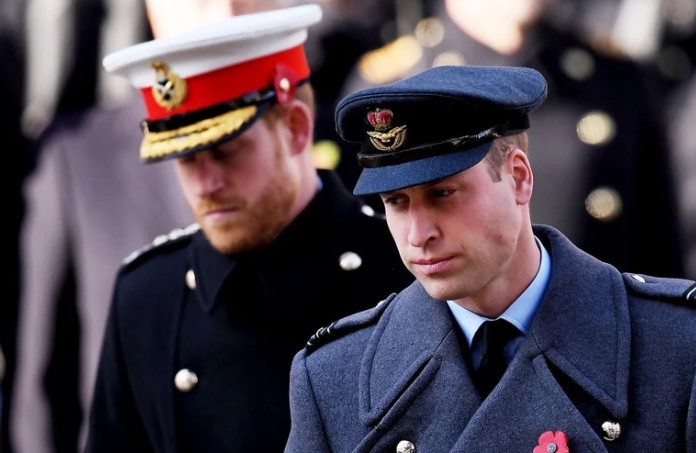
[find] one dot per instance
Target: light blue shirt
(519, 314)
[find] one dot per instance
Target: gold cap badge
(169, 89)
(383, 138)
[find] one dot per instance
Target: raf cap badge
(383, 138)
(169, 89)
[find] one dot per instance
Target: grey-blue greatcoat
(602, 347)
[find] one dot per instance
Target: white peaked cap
(207, 85)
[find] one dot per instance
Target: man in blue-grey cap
(512, 338)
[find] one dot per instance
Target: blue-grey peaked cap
(436, 123)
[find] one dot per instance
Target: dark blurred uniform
(683, 136)
(598, 145)
(89, 204)
(224, 329)
(675, 63)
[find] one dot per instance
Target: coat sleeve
(115, 424)
(307, 428)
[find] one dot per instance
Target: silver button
(350, 261)
(190, 279)
(638, 278)
(612, 430)
(367, 210)
(159, 240)
(405, 447)
(185, 380)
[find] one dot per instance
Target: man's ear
(300, 122)
(523, 178)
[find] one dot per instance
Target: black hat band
(451, 145)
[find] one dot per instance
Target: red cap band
(231, 82)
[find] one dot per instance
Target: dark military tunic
(199, 344)
(609, 360)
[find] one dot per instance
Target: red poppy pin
(552, 442)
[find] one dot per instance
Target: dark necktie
(493, 335)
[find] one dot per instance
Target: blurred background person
(49, 56)
(682, 113)
(64, 43)
(350, 28)
(674, 60)
(17, 146)
(661, 36)
(90, 202)
(600, 139)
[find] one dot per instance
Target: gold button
(405, 447)
(190, 279)
(350, 261)
(185, 380)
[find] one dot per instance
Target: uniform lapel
(180, 295)
(414, 355)
(515, 419)
(210, 269)
(579, 341)
(583, 329)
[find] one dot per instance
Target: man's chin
(437, 289)
(225, 240)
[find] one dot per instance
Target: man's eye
(390, 200)
(221, 154)
(442, 192)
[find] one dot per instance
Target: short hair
(501, 148)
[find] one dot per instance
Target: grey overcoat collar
(581, 330)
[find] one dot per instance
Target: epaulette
(675, 290)
(172, 237)
(346, 325)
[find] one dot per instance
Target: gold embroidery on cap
(390, 140)
(169, 89)
(156, 145)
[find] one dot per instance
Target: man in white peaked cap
(205, 321)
